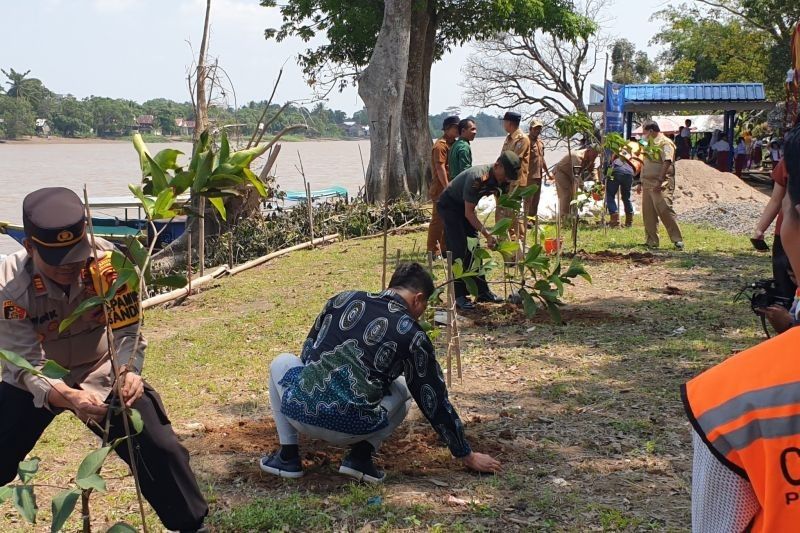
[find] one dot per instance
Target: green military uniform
(460, 157)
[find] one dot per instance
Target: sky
(142, 49)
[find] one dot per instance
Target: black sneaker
(361, 469)
(463, 303)
(273, 464)
(490, 297)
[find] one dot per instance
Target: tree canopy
(629, 65)
(352, 26)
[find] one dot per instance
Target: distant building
(351, 129)
(42, 127)
(147, 124)
(185, 126)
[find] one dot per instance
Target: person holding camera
(772, 211)
(745, 415)
(780, 318)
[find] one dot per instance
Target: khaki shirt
(519, 143)
(567, 163)
(439, 155)
(536, 160)
(651, 170)
(33, 308)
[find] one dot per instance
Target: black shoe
(463, 303)
(361, 469)
(490, 297)
(273, 464)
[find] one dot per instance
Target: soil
(697, 185)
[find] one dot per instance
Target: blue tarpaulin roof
(694, 92)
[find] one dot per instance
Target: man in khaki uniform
(658, 172)
(567, 182)
(440, 179)
(516, 142)
(537, 167)
(42, 285)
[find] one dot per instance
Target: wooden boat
(319, 194)
(119, 229)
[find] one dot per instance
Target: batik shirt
(360, 343)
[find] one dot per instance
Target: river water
(107, 168)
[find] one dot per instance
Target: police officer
(457, 208)
(516, 142)
(42, 285)
(440, 179)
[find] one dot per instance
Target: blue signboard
(615, 102)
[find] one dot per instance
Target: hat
(513, 116)
(510, 162)
(536, 123)
(450, 121)
(55, 223)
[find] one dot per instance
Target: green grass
(209, 360)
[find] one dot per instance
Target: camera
(763, 294)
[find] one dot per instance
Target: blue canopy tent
(729, 98)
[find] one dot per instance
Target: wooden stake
(310, 205)
(189, 260)
(386, 203)
(201, 241)
(397, 261)
(450, 312)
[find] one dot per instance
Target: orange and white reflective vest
(747, 411)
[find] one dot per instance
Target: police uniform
(518, 143)
(33, 308)
(657, 204)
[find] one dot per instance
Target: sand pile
(705, 196)
(701, 186)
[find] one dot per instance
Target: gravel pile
(699, 186)
(734, 217)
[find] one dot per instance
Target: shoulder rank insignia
(12, 311)
(38, 285)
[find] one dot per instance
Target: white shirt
(721, 146)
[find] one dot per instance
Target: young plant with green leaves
(213, 174)
(540, 283)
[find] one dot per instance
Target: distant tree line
(24, 99)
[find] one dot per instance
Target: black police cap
(450, 121)
(55, 223)
(513, 116)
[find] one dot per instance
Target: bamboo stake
(189, 259)
(450, 311)
(201, 241)
(386, 202)
(310, 205)
(397, 261)
(117, 382)
(263, 259)
(363, 168)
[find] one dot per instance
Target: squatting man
(365, 358)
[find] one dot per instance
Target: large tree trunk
(416, 132)
(381, 86)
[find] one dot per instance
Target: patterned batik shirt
(360, 343)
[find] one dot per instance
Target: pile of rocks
(734, 217)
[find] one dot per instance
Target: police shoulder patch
(38, 285)
(11, 311)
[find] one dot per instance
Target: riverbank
(150, 139)
(586, 417)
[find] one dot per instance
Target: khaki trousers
(565, 186)
(436, 242)
(655, 207)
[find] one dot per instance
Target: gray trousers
(397, 405)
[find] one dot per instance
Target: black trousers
(165, 476)
(780, 270)
(456, 230)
